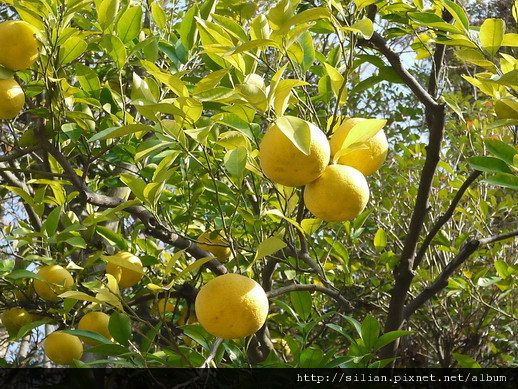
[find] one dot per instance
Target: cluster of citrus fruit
(60, 347)
(333, 192)
(19, 50)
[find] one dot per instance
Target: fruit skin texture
(53, 274)
(20, 48)
(96, 322)
(339, 194)
(231, 306)
(220, 252)
(12, 98)
(367, 160)
(285, 164)
(63, 348)
(126, 277)
(15, 318)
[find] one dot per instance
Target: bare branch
(444, 218)
(311, 288)
(18, 153)
(442, 279)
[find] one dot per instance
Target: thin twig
(311, 288)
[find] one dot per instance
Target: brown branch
(311, 288)
(379, 43)
(442, 279)
(444, 218)
(435, 120)
(18, 153)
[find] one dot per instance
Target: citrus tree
(227, 183)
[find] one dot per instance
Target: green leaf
(173, 82)
(235, 161)
(113, 350)
(297, 130)
(51, 224)
(389, 337)
(457, 12)
(488, 164)
(311, 357)
(365, 27)
(117, 132)
(380, 240)
(120, 327)
(503, 179)
(357, 326)
(136, 185)
(71, 49)
(501, 150)
(304, 17)
(88, 79)
(188, 28)
(112, 237)
(158, 15)
(502, 268)
(465, 361)
(22, 273)
(492, 34)
(254, 95)
(282, 94)
(89, 335)
(434, 21)
(106, 13)
(370, 330)
(130, 24)
(269, 246)
(510, 39)
(115, 49)
(360, 4)
(302, 303)
(310, 226)
(337, 83)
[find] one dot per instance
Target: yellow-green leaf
(282, 94)
(492, 34)
(380, 240)
(297, 130)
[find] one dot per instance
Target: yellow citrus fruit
(366, 160)
(52, 275)
(25, 294)
(15, 318)
(63, 348)
(163, 306)
(129, 272)
(96, 322)
(285, 164)
(339, 194)
(20, 48)
(12, 98)
(214, 239)
(231, 306)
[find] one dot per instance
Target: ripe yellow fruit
(231, 306)
(213, 239)
(63, 348)
(12, 98)
(129, 273)
(163, 306)
(339, 194)
(96, 322)
(15, 318)
(20, 48)
(367, 160)
(51, 275)
(285, 164)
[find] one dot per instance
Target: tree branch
(442, 279)
(311, 288)
(379, 43)
(18, 153)
(444, 218)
